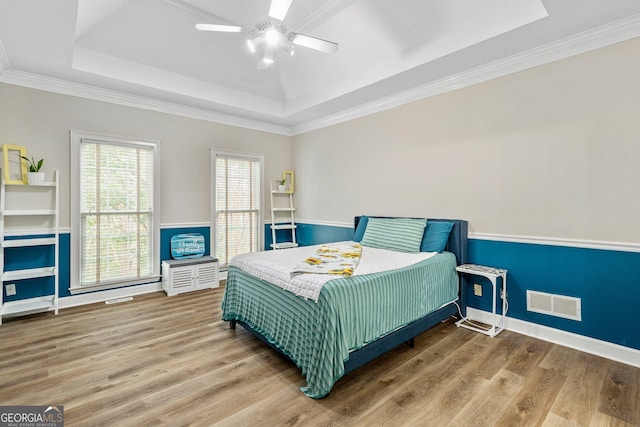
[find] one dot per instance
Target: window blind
(116, 212)
(237, 206)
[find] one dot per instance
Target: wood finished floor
(171, 361)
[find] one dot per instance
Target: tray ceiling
(148, 51)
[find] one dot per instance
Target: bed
(354, 319)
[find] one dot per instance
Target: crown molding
(36, 81)
(615, 32)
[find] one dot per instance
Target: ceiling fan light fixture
(268, 55)
(272, 36)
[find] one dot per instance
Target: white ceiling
(147, 52)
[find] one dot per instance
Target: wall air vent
(554, 305)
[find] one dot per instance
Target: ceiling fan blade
(279, 9)
(313, 43)
(219, 28)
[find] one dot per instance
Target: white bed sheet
(276, 266)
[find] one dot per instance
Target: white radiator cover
(554, 305)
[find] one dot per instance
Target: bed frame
(457, 244)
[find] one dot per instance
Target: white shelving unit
(282, 218)
(23, 205)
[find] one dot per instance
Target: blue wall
(308, 234)
(608, 282)
(42, 256)
(34, 257)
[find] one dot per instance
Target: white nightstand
(498, 320)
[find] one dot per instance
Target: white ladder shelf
(282, 218)
(33, 196)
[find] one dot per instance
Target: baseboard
(101, 296)
(618, 353)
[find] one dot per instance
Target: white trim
(327, 223)
(534, 240)
(595, 38)
(616, 352)
(605, 35)
(557, 241)
(214, 152)
(76, 138)
(35, 231)
(184, 225)
(67, 230)
(50, 84)
(101, 296)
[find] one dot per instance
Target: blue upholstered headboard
(457, 243)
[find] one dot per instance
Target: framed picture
(15, 167)
(289, 174)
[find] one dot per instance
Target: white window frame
(76, 138)
(248, 156)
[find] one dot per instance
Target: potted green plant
(281, 187)
(34, 175)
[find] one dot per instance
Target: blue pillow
(362, 225)
(436, 236)
(396, 234)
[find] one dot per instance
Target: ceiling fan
(270, 35)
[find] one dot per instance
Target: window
(237, 208)
(115, 214)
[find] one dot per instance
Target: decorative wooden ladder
(281, 221)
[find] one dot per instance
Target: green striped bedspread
(350, 312)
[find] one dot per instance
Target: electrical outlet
(10, 289)
(477, 289)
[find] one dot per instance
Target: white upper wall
(40, 121)
(547, 152)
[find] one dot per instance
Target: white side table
(498, 320)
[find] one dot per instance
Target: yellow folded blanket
(334, 258)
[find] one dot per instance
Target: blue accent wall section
(31, 257)
(309, 234)
(607, 282)
(35, 257)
